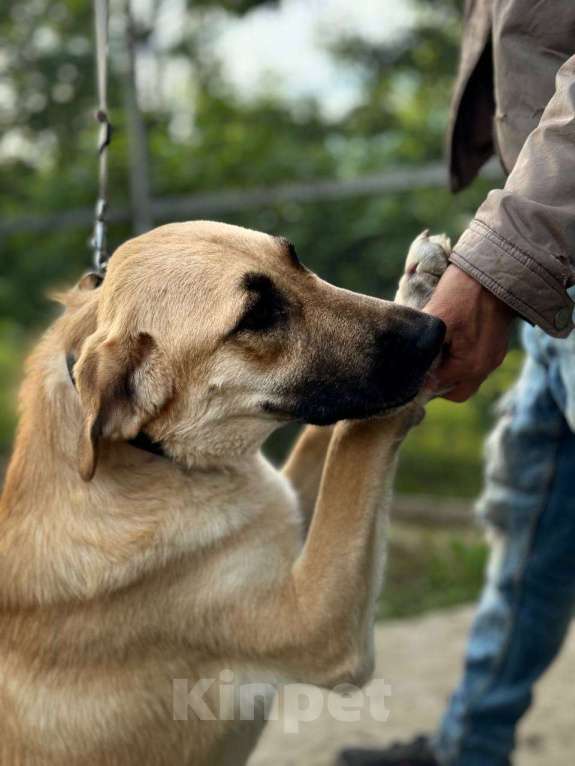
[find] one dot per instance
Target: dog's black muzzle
(386, 370)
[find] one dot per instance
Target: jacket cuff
(516, 278)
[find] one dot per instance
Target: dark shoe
(418, 752)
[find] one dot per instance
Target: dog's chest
(208, 554)
(250, 510)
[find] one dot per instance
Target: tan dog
(127, 564)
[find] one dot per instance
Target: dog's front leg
(304, 466)
(338, 577)
(314, 624)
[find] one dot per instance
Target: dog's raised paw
(426, 261)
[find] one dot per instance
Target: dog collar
(140, 441)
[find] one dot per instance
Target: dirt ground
(420, 661)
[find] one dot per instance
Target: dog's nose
(410, 344)
(430, 334)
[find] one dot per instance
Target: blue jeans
(525, 610)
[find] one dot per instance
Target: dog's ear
(122, 383)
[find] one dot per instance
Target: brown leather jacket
(515, 95)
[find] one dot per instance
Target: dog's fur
(121, 570)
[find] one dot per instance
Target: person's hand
(478, 328)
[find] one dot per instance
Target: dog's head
(207, 336)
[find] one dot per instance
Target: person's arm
(517, 255)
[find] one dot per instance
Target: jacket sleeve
(521, 244)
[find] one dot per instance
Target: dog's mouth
(326, 415)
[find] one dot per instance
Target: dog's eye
(260, 316)
(266, 306)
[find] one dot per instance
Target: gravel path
(420, 660)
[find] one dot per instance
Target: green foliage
(431, 570)
(11, 354)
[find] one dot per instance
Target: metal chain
(98, 242)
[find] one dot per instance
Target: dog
(143, 536)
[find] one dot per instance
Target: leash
(99, 238)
